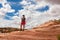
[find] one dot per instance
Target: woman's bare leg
(21, 27)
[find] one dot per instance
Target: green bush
(57, 21)
(59, 37)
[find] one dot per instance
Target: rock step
(26, 37)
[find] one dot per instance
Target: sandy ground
(49, 33)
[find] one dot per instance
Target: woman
(23, 22)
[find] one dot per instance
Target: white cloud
(54, 10)
(37, 18)
(7, 23)
(3, 1)
(24, 2)
(53, 1)
(33, 17)
(7, 8)
(33, 6)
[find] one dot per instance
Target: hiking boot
(20, 29)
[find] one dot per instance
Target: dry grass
(8, 29)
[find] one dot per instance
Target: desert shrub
(57, 21)
(58, 37)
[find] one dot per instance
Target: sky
(36, 11)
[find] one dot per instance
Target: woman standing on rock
(23, 22)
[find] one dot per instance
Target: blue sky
(39, 11)
(15, 4)
(1, 6)
(14, 0)
(32, 1)
(43, 9)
